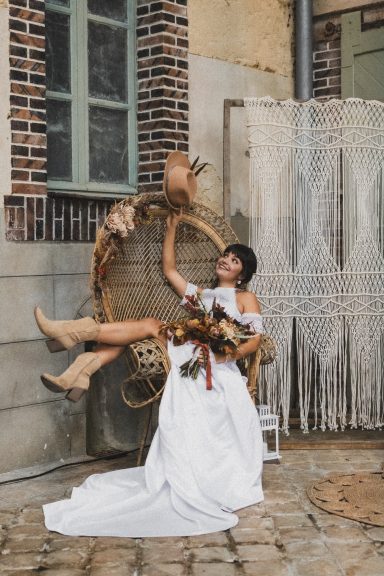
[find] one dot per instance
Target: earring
(238, 282)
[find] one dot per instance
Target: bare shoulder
(248, 302)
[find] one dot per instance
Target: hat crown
(179, 183)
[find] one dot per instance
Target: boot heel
(75, 394)
(55, 346)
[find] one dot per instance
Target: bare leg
(123, 333)
(108, 354)
(114, 336)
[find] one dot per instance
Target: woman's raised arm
(168, 257)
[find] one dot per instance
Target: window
(91, 89)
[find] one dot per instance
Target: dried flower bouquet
(211, 330)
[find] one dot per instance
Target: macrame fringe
(317, 221)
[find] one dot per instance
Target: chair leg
(144, 437)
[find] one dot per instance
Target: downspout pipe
(304, 51)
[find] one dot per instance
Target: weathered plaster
(247, 32)
(55, 276)
(210, 82)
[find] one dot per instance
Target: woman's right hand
(174, 217)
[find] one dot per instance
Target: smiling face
(228, 269)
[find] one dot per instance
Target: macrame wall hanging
(317, 227)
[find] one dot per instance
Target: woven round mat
(356, 496)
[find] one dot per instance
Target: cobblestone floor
(285, 535)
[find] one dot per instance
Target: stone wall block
(38, 434)
(22, 363)
(22, 294)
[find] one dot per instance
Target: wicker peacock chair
(128, 283)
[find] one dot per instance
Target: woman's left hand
(174, 217)
(219, 358)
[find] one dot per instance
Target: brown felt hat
(179, 182)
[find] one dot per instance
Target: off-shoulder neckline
(235, 289)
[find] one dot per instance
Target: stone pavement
(285, 535)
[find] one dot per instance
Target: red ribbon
(207, 362)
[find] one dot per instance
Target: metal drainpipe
(304, 57)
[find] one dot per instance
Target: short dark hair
(247, 257)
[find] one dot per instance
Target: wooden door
(362, 59)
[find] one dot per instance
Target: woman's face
(229, 268)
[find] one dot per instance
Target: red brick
(19, 151)
(18, 125)
(29, 188)
(157, 7)
(167, 135)
(336, 63)
(17, 25)
(27, 90)
(178, 73)
(326, 73)
(320, 83)
(20, 101)
(157, 145)
(30, 163)
(330, 91)
(26, 114)
(160, 155)
(24, 14)
(20, 175)
(182, 42)
(37, 5)
(22, 64)
(155, 39)
(38, 152)
(150, 167)
(18, 51)
(27, 40)
(183, 147)
(320, 64)
(156, 125)
(336, 81)
(155, 187)
(33, 139)
(36, 29)
(177, 52)
(167, 113)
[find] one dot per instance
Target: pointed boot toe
(52, 383)
(75, 380)
(65, 334)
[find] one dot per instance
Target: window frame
(80, 100)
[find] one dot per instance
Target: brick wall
(162, 62)
(162, 69)
(27, 99)
(327, 69)
(44, 218)
(327, 48)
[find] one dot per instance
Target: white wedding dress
(205, 460)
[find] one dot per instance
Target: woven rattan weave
(134, 287)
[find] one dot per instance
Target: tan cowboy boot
(64, 334)
(75, 379)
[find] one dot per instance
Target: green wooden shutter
(362, 59)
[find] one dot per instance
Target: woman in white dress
(205, 460)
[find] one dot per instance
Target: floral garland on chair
(122, 219)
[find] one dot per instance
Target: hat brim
(176, 158)
(180, 187)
